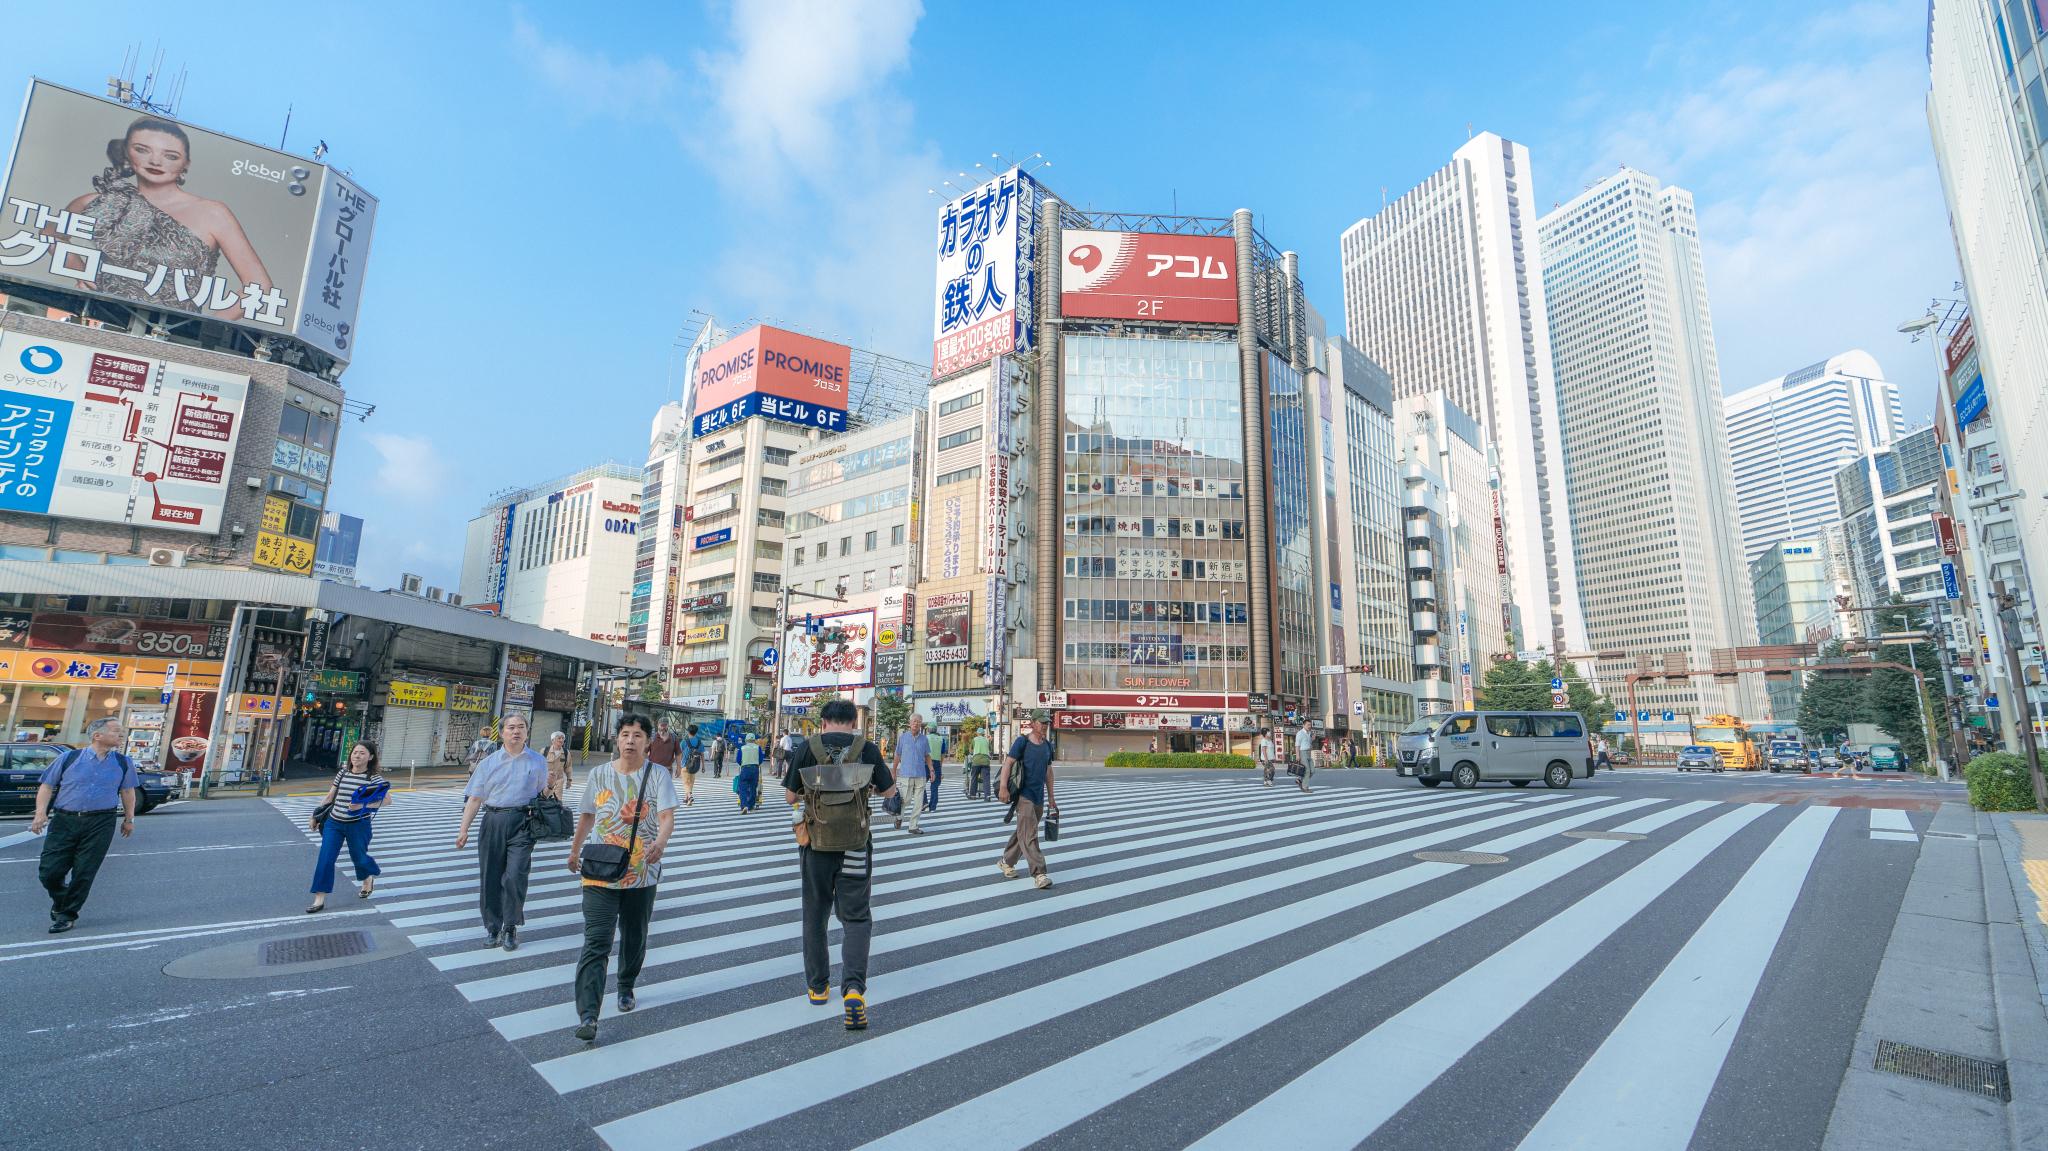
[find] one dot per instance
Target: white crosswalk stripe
(1160, 885)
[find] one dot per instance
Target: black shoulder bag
(607, 862)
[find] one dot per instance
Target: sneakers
(820, 998)
(587, 1031)
(856, 1011)
(1008, 871)
(511, 939)
(1042, 881)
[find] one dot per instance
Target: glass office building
(1293, 520)
(1153, 585)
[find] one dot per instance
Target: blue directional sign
(768, 659)
(1621, 717)
(1948, 581)
(1556, 684)
(1644, 716)
(1669, 716)
(1990, 701)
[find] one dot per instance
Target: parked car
(1829, 761)
(21, 772)
(1619, 759)
(1700, 758)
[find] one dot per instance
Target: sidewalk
(1961, 988)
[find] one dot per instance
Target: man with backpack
(693, 762)
(831, 777)
(90, 786)
(979, 751)
(717, 756)
(1026, 785)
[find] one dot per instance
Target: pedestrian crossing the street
(1218, 964)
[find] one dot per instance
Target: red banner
(124, 636)
(1148, 276)
(692, 670)
(1945, 530)
(1175, 701)
(191, 728)
(1073, 719)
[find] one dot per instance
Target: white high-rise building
(559, 554)
(1790, 436)
(1653, 510)
(1443, 288)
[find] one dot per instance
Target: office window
(874, 540)
(896, 534)
(846, 545)
(824, 549)
(767, 581)
(867, 580)
(773, 487)
(818, 587)
(963, 436)
(895, 575)
(799, 558)
(960, 403)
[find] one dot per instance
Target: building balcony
(1422, 560)
(1423, 621)
(1430, 656)
(1434, 689)
(1422, 589)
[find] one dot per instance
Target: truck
(1728, 735)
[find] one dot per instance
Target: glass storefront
(1154, 563)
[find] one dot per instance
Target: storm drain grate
(1979, 1076)
(1624, 836)
(313, 948)
(1460, 857)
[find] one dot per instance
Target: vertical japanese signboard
(987, 252)
(91, 435)
(995, 555)
(80, 213)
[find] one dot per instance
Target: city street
(1658, 960)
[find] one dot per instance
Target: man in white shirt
(1304, 748)
(501, 786)
(631, 804)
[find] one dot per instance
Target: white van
(1517, 747)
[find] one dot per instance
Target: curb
(2019, 961)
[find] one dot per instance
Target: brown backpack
(837, 788)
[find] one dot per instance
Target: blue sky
(560, 188)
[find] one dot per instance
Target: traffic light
(750, 690)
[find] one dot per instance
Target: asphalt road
(1218, 964)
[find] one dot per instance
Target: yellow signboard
(463, 697)
(711, 634)
(277, 512)
(405, 694)
(283, 552)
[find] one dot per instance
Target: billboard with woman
(105, 198)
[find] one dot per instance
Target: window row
(1155, 527)
(1154, 653)
(1193, 487)
(1155, 563)
(1157, 611)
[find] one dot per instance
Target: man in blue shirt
(1033, 753)
(90, 786)
(913, 756)
(501, 786)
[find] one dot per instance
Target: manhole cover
(1621, 835)
(1980, 1076)
(313, 948)
(1460, 857)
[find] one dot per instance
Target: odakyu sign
(769, 372)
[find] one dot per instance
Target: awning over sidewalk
(287, 591)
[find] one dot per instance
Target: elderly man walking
(1026, 784)
(913, 768)
(502, 785)
(90, 786)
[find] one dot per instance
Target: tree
(651, 689)
(1511, 685)
(892, 714)
(1890, 696)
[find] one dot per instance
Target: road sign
(768, 659)
(1331, 669)
(1669, 716)
(1556, 684)
(1557, 699)
(1643, 716)
(1358, 707)
(1621, 717)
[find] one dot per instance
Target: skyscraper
(1443, 289)
(1653, 511)
(1790, 436)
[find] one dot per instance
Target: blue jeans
(332, 835)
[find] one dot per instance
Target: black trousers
(75, 844)
(504, 851)
(837, 882)
(605, 910)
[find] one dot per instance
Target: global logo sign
(41, 359)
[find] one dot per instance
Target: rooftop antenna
(287, 128)
(124, 89)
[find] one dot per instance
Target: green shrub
(1188, 759)
(1998, 782)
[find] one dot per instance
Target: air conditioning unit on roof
(167, 557)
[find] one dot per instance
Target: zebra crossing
(1195, 930)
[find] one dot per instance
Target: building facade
(1788, 437)
(1444, 288)
(1793, 581)
(1369, 596)
(559, 554)
(1653, 507)
(1988, 114)
(849, 508)
(1889, 504)
(1452, 536)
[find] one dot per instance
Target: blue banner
(32, 435)
(1972, 404)
(1948, 580)
(773, 407)
(709, 539)
(1206, 722)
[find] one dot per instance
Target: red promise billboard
(1148, 276)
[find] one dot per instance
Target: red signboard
(1175, 701)
(127, 636)
(692, 670)
(1148, 276)
(1073, 719)
(760, 667)
(1945, 530)
(1959, 345)
(776, 363)
(191, 729)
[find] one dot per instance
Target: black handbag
(320, 815)
(893, 804)
(547, 819)
(608, 862)
(1051, 831)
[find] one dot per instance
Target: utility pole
(2009, 623)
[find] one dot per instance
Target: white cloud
(590, 81)
(405, 528)
(798, 125)
(1821, 212)
(413, 469)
